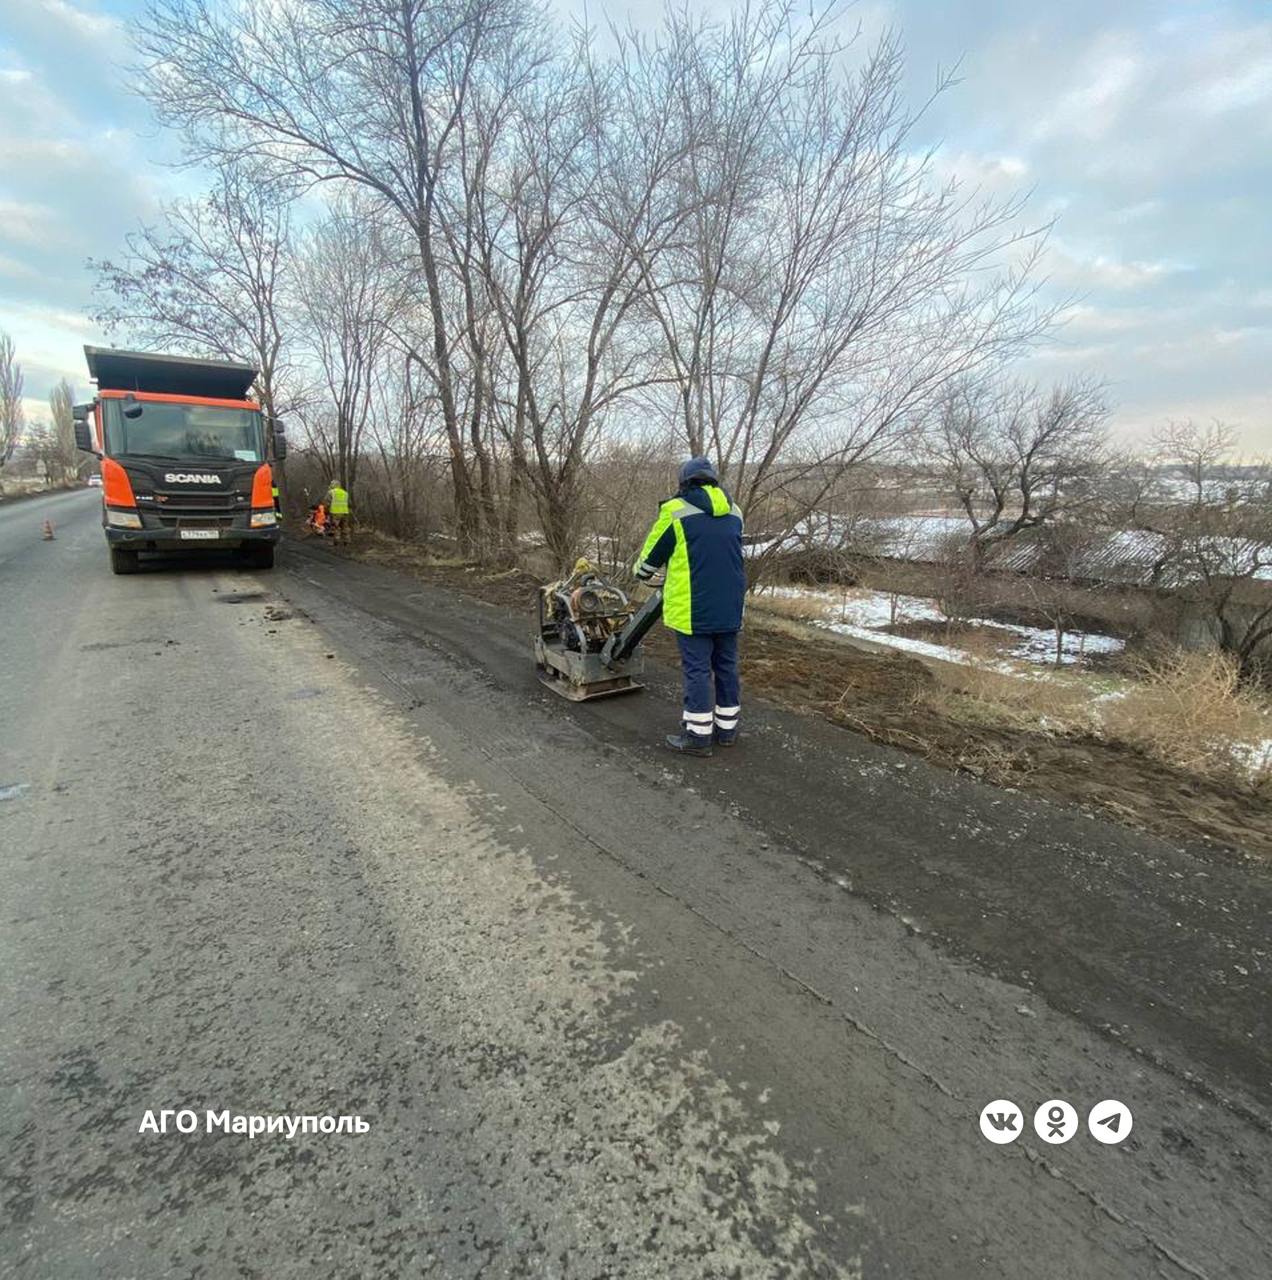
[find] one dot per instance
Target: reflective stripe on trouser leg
(698, 723)
(695, 662)
(728, 692)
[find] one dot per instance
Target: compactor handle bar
(621, 646)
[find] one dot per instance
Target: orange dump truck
(186, 457)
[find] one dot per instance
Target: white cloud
(989, 172)
(1098, 322)
(13, 269)
(1094, 105)
(1135, 212)
(1075, 268)
(1242, 333)
(23, 221)
(1235, 72)
(91, 26)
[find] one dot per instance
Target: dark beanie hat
(698, 469)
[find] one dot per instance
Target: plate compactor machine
(588, 643)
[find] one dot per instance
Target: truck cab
(186, 458)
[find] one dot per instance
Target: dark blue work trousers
(703, 658)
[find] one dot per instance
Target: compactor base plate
(581, 677)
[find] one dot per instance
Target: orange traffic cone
(48, 531)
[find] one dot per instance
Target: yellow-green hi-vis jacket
(698, 538)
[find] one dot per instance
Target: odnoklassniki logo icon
(1055, 1121)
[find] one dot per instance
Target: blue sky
(1144, 129)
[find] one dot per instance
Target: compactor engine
(589, 633)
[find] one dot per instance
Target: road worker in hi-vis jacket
(698, 539)
(337, 504)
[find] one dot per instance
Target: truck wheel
(261, 557)
(122, 561)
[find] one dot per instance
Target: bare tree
(209, 279)
(12, 417)
(69, 461)
(1015, 458)
(349, 295)
(1214, 547)
(1049, 588)
(827, 288)
(626, 479)
(366, 91)
(723, 230)
(1196, 453)
(404, 430)
(584, 204)
(472, 213)
(958, 581)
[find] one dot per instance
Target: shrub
(1190, 710)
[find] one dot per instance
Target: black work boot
(725, 737)
(689, 744)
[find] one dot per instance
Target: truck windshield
(181, 431)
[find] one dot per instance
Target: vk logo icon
(1000, 1121)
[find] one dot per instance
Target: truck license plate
(199, 533)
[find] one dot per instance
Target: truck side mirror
(80, 412)
(280, 439)
(84, 436)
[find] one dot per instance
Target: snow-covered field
(866, 614)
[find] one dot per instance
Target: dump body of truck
(185, 456)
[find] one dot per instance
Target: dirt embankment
(892, 698)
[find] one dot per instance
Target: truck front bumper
(170, 540)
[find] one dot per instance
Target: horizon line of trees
(49, 442)
(462, 229)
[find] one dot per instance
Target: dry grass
(1190, 711)
(799, 608)
(977, 695)
(1182, 709)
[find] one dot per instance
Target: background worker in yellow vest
(338, 511)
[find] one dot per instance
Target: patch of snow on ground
(1255, 756)
(924, 648)
(1039, 645)
(863, 613)
(862, 607)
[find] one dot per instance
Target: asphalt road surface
(315, 843)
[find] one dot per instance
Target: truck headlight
(123, 519)
(262, 519)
